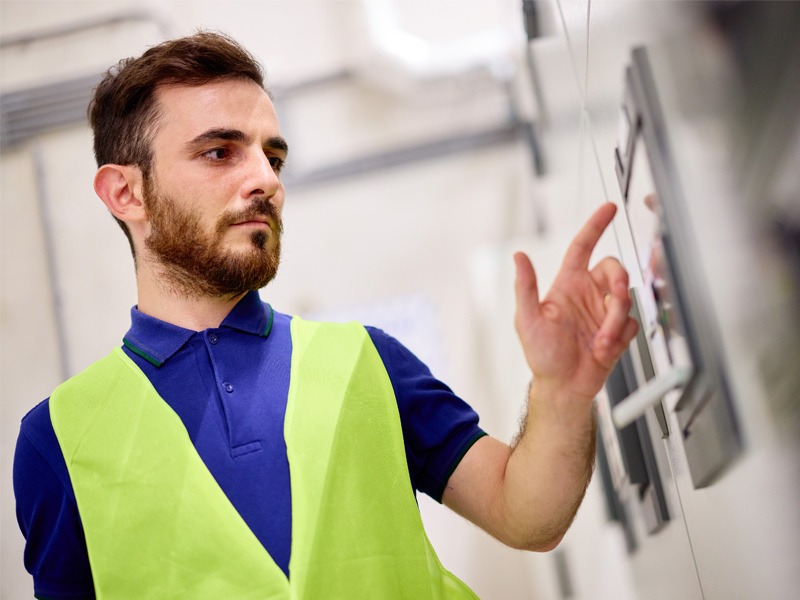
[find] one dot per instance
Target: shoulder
(395, 355)
(36, 423)
(47, 514)
(37, 442)
(337, 334)
(36, 414)
(102, 374)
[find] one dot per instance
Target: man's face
(213, 196)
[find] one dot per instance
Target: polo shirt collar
(157, 341)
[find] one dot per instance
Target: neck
(172, 304)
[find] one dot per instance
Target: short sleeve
(438, 426)
(55, 547)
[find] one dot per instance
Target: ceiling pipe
(57, 31)
(403, 62)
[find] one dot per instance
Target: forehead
(187, 111)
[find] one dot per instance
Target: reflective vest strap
(150, 509)
(356, 528)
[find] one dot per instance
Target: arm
(527, 494)
(55, 548)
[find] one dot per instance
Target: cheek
(278, 200)
(208, 198)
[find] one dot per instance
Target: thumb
(525, 287)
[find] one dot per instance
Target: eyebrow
(275, 142)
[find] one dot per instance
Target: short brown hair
(123, 111)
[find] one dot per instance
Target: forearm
(548, 469)
(526, 495)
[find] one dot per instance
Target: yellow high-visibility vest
(159, 527)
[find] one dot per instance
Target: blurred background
(430, 140)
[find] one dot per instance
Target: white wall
(738, 537)
(433, 236)
(395, 238)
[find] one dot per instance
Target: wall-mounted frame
(636, 449)
(615, 510)
(626, 455)
(675, 314)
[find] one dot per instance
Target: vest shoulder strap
(354, 509)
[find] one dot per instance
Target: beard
(194, 262)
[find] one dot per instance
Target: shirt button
(213, 338)
(228, 387)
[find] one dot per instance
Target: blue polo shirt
(229, 386)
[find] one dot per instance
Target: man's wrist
(559, 405)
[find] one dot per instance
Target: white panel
(29, 359)
(293, 40)
(89, 49)
(744, 527)
(95, 268)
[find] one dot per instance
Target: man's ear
(120, 188)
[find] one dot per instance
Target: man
(231, 451)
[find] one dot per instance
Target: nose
(260, 178)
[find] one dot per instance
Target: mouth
(254, 222)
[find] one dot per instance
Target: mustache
(259, 207)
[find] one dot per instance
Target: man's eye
(216, 154)
(276, 163)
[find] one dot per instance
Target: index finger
(580, 250)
